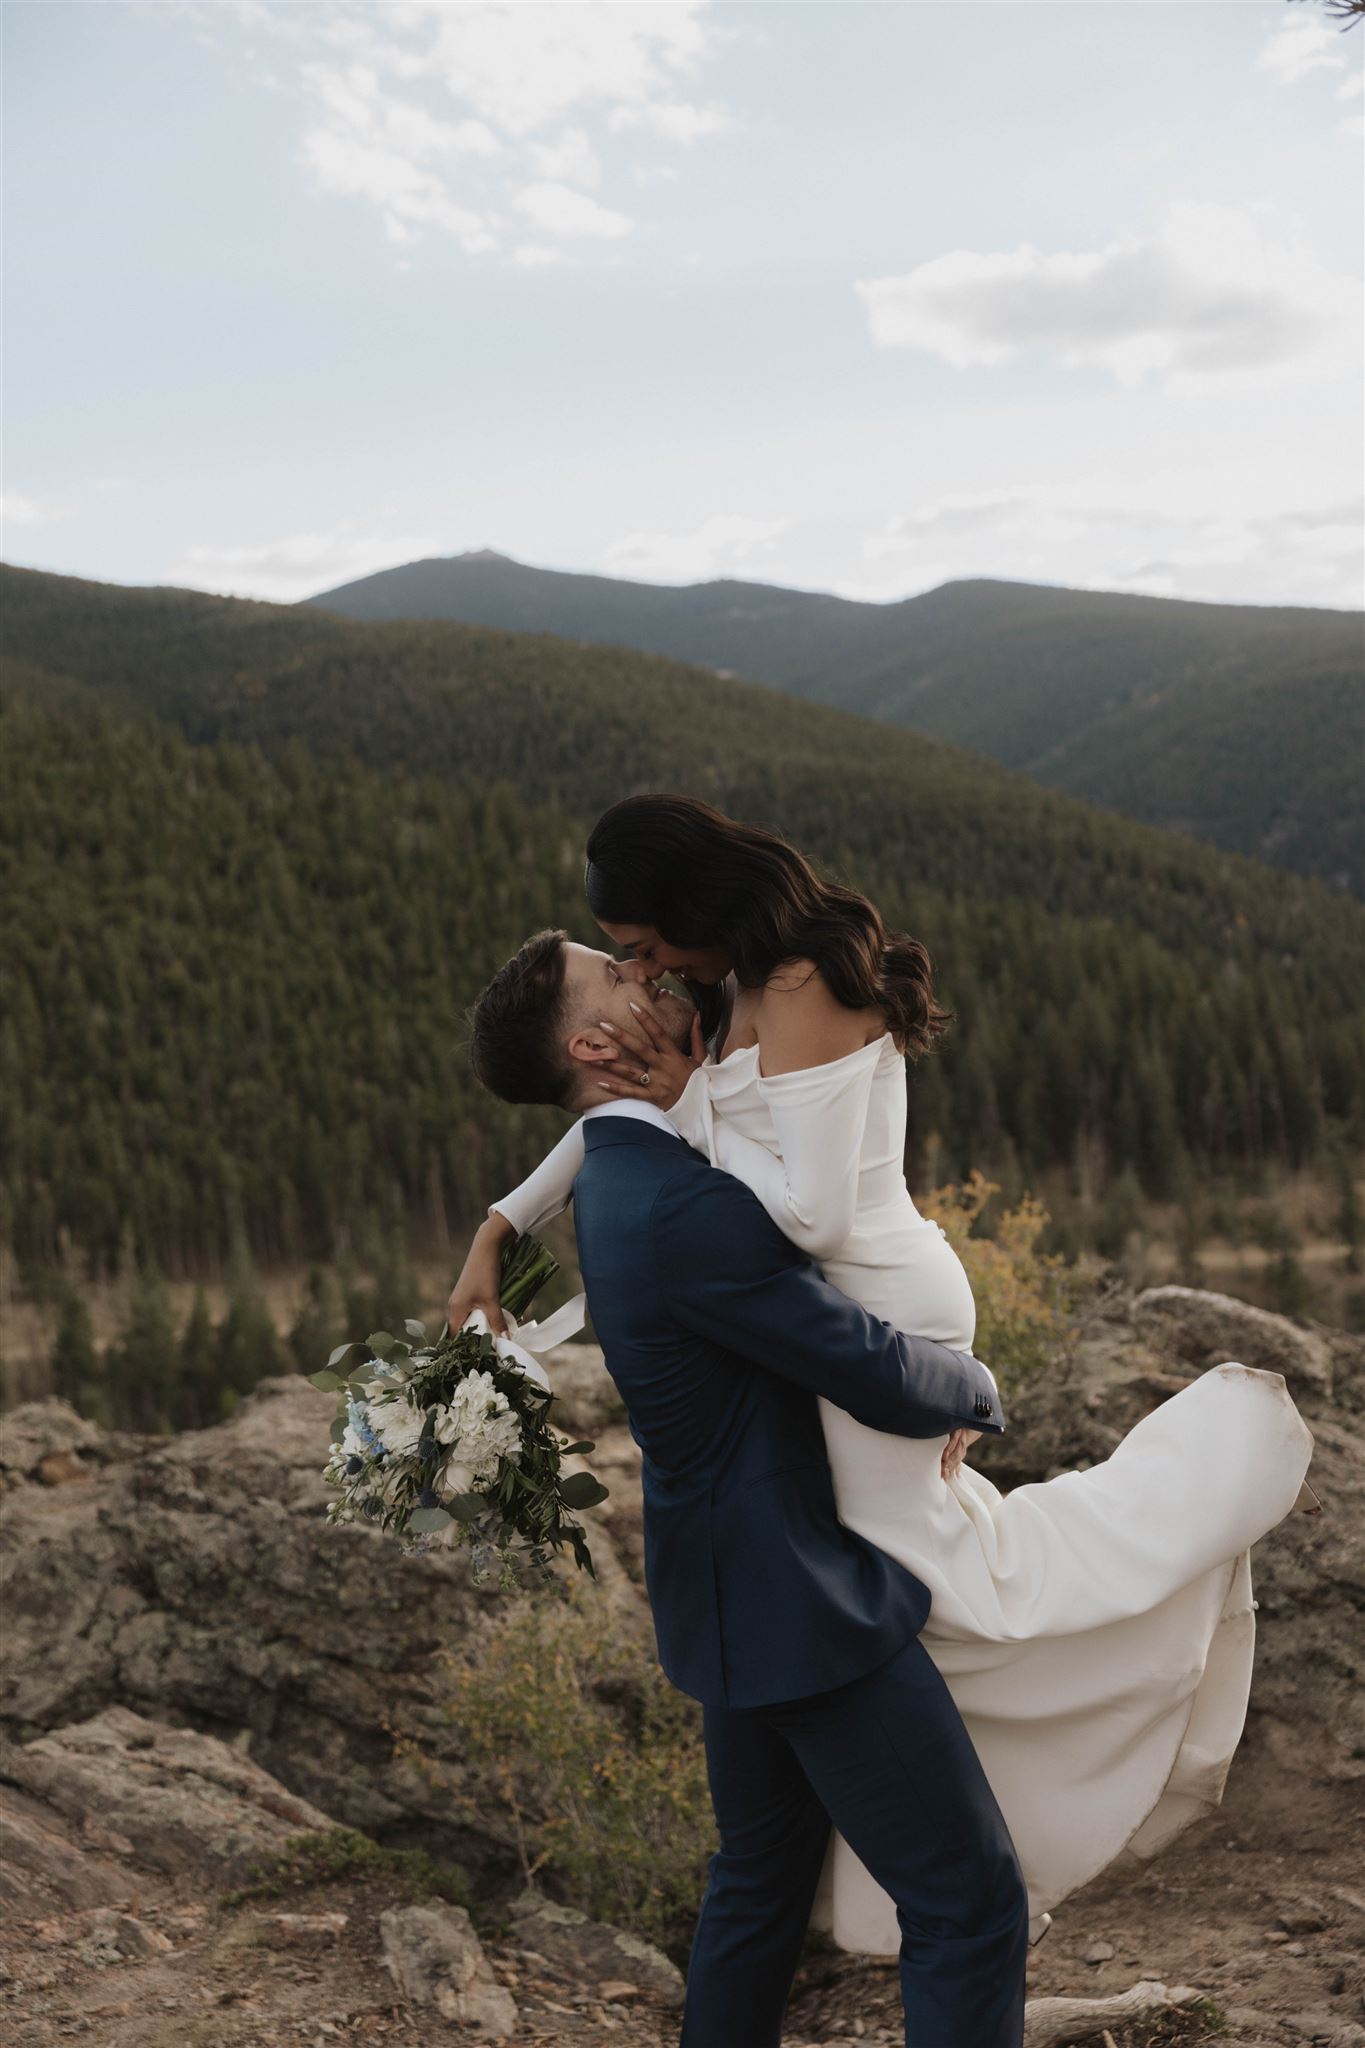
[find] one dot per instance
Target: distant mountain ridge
(1240, 724)
(257, 860)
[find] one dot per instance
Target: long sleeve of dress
(545, 1193)
(809, 1188)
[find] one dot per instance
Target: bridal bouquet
(450, 1442)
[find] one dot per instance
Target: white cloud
(523, 66)
(1217, 292)
(722, 544)
(434, 114)
(558, 210)
(408, 196)
(298, 565)
(18, 510)
(1303, 43)
(370, 144)
(1126, 538)
(536, 255)
(674, 120)
(571, 160)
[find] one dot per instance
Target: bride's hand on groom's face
(649, 1067)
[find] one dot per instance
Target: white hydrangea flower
(482, 1427)
(397, 1424)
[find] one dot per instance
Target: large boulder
(1131, 1353)
(1200, 1329)
(167, 1799)
(49, 1442)
(196, 1579)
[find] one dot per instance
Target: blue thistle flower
(358, 1415)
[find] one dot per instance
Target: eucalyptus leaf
(574, 1450)
(467, 1507)
(426, 1521)
(415, 1329)
(338, 1428)
(581, 1490)
(340, 1352)
(325, 1381)
(381, 1342)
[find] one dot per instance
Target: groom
(800, 1639)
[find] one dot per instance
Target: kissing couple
(931, 1710)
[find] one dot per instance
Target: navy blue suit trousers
(888, 1759)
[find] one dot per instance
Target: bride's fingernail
(638, 1011)
(603, 1025)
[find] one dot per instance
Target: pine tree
(74, 1363)
(196, 1394)
(1350, 1216)
(246, 1347)
(145, 1361)
(1290, 1292)
(317, 1328)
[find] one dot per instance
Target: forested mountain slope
(239, 967)
(1241, 724)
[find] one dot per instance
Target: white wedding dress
(1095, 1630)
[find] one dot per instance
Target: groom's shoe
(1037, 1928)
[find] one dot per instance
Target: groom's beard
(675, 1014)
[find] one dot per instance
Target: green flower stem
(526, 1266)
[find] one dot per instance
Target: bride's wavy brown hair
(701, 879)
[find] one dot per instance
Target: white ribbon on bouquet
(526, 1340)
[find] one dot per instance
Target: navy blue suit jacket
(719, 1334)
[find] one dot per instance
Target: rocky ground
(198, 1669)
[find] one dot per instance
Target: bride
(1096, 1630)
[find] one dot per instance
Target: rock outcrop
(586, 1950)
(436, 1959)
(1132, 1353)
(168, 1799)
(195, 1579)
(120, 1835)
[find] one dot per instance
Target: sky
(848, 295)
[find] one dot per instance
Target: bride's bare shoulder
(800, 1022)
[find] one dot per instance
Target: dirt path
(1262, 1907)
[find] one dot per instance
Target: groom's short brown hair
(516, 1028)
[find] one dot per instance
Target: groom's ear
(591, 1047)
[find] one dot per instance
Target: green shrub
(576, 1737)
(344, 1855)
(1024, 1297)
